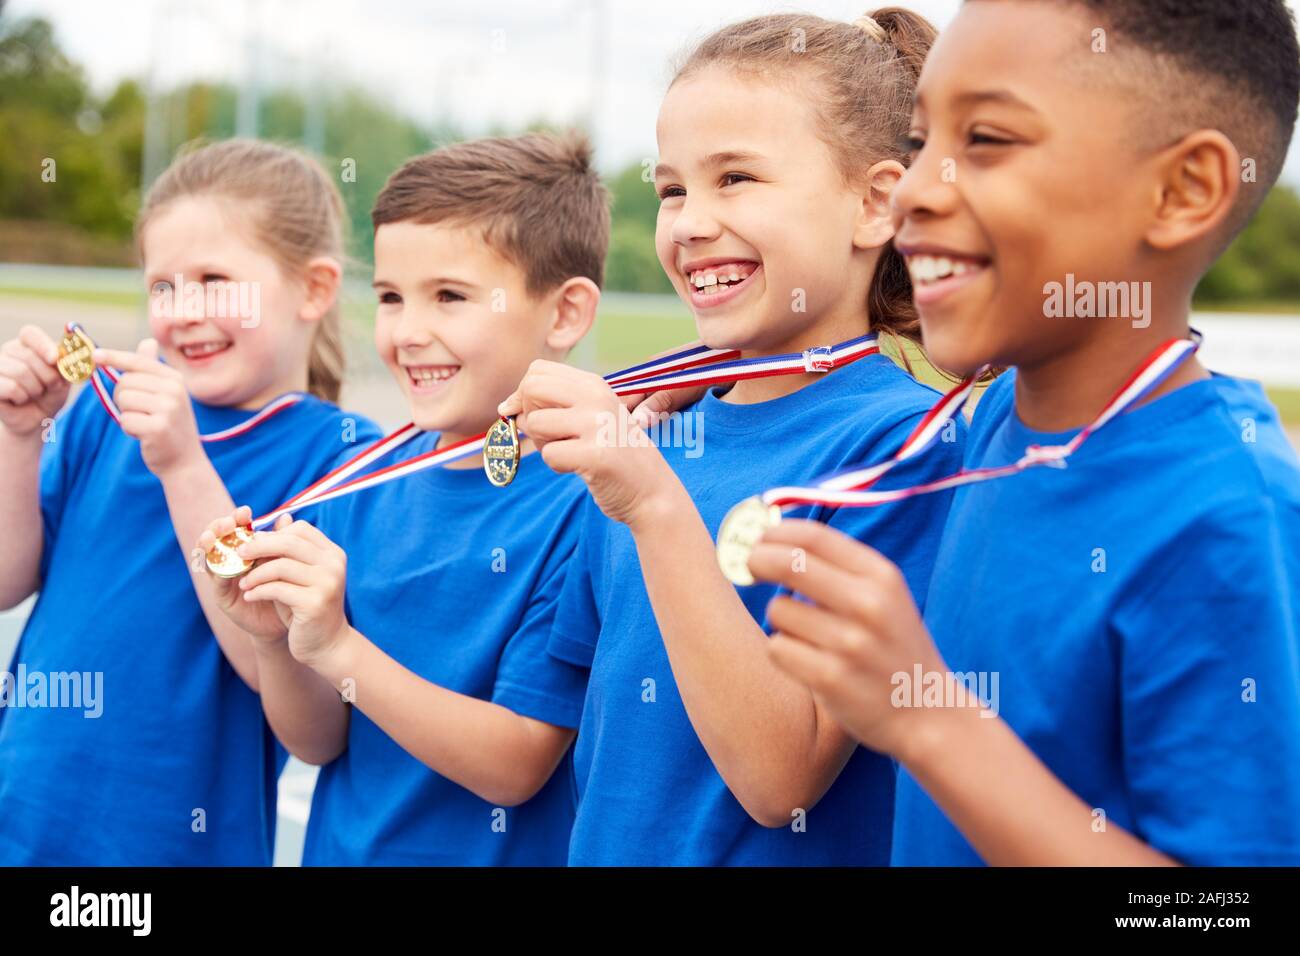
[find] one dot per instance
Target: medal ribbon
(685, 368)
(850, 489)
(103, 379)
(690, 367)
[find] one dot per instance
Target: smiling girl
(100, 519)
(779, 147)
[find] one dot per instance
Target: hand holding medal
(155, 407)
(32, 388)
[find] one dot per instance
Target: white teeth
(708, 281)
(933, 268)
(431, 374)
(203, 348)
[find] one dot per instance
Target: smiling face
(1028, 170)
(756, 225)
(455, 324)
(231, 323)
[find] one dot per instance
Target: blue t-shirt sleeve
(71, 442)
(577, 617)
(1210, 692)
(530, 681)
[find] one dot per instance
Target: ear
(875, 225)
(1199, 178)
(323, 276)
(575, 313)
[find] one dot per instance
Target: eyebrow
(427, 283)
(713, 160)
(978, 97)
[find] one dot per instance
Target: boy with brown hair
(409, 658)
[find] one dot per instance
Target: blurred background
(112, 90)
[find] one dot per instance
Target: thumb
(659, 403)
(148, 349)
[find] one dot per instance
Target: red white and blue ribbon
(691, 367)
(340, 482)
(701, 366)
(851, 488)
(104, 379)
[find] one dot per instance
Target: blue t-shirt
(457, 580)
(168, 760)
(1140, 609)
(648, 792)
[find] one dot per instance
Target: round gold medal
(739, 532)
(501, 452)
(224, 561)
(75, 362)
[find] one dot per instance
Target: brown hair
(537, 198)
(867, 71)
(299, 215)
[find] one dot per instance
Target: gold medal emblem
(75, 362)
(224, 561)
(501, 452)
(739, 532)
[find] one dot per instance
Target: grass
(102, 297)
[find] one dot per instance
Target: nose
(412, 331)
(927, 188)
(695, 223)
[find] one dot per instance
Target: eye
(446, 295)
(389, 298)
(214, 277)
(979, 138)
(737, 177)
(670, 192)
(911, 143)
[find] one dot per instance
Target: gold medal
(223, 561)
(739, 532)
(75, 362)
(501, 452)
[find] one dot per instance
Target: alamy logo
(921, 688)
(1098, 300)
(664, 430)
(75, 690)
(210, 300)
(103, 909)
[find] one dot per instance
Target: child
(171, 762)
(1131, 619)
(776, 164)
(428, 603)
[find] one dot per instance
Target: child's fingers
(546, 391)
(282, 592)
(40, 343)
(243, 515)
(281, 569)
(308, 532)
(814, 577)
(16, 371)
(45, 373)
(280, 544)
(565, 456)
(126, 361)
(664, 402)
(134, 400)
(141, 382)
(814, 625)
(511, 406)
(549, 424)
(831, 544)
(810, 666)
(12, 392)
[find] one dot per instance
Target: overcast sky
(476, 62)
